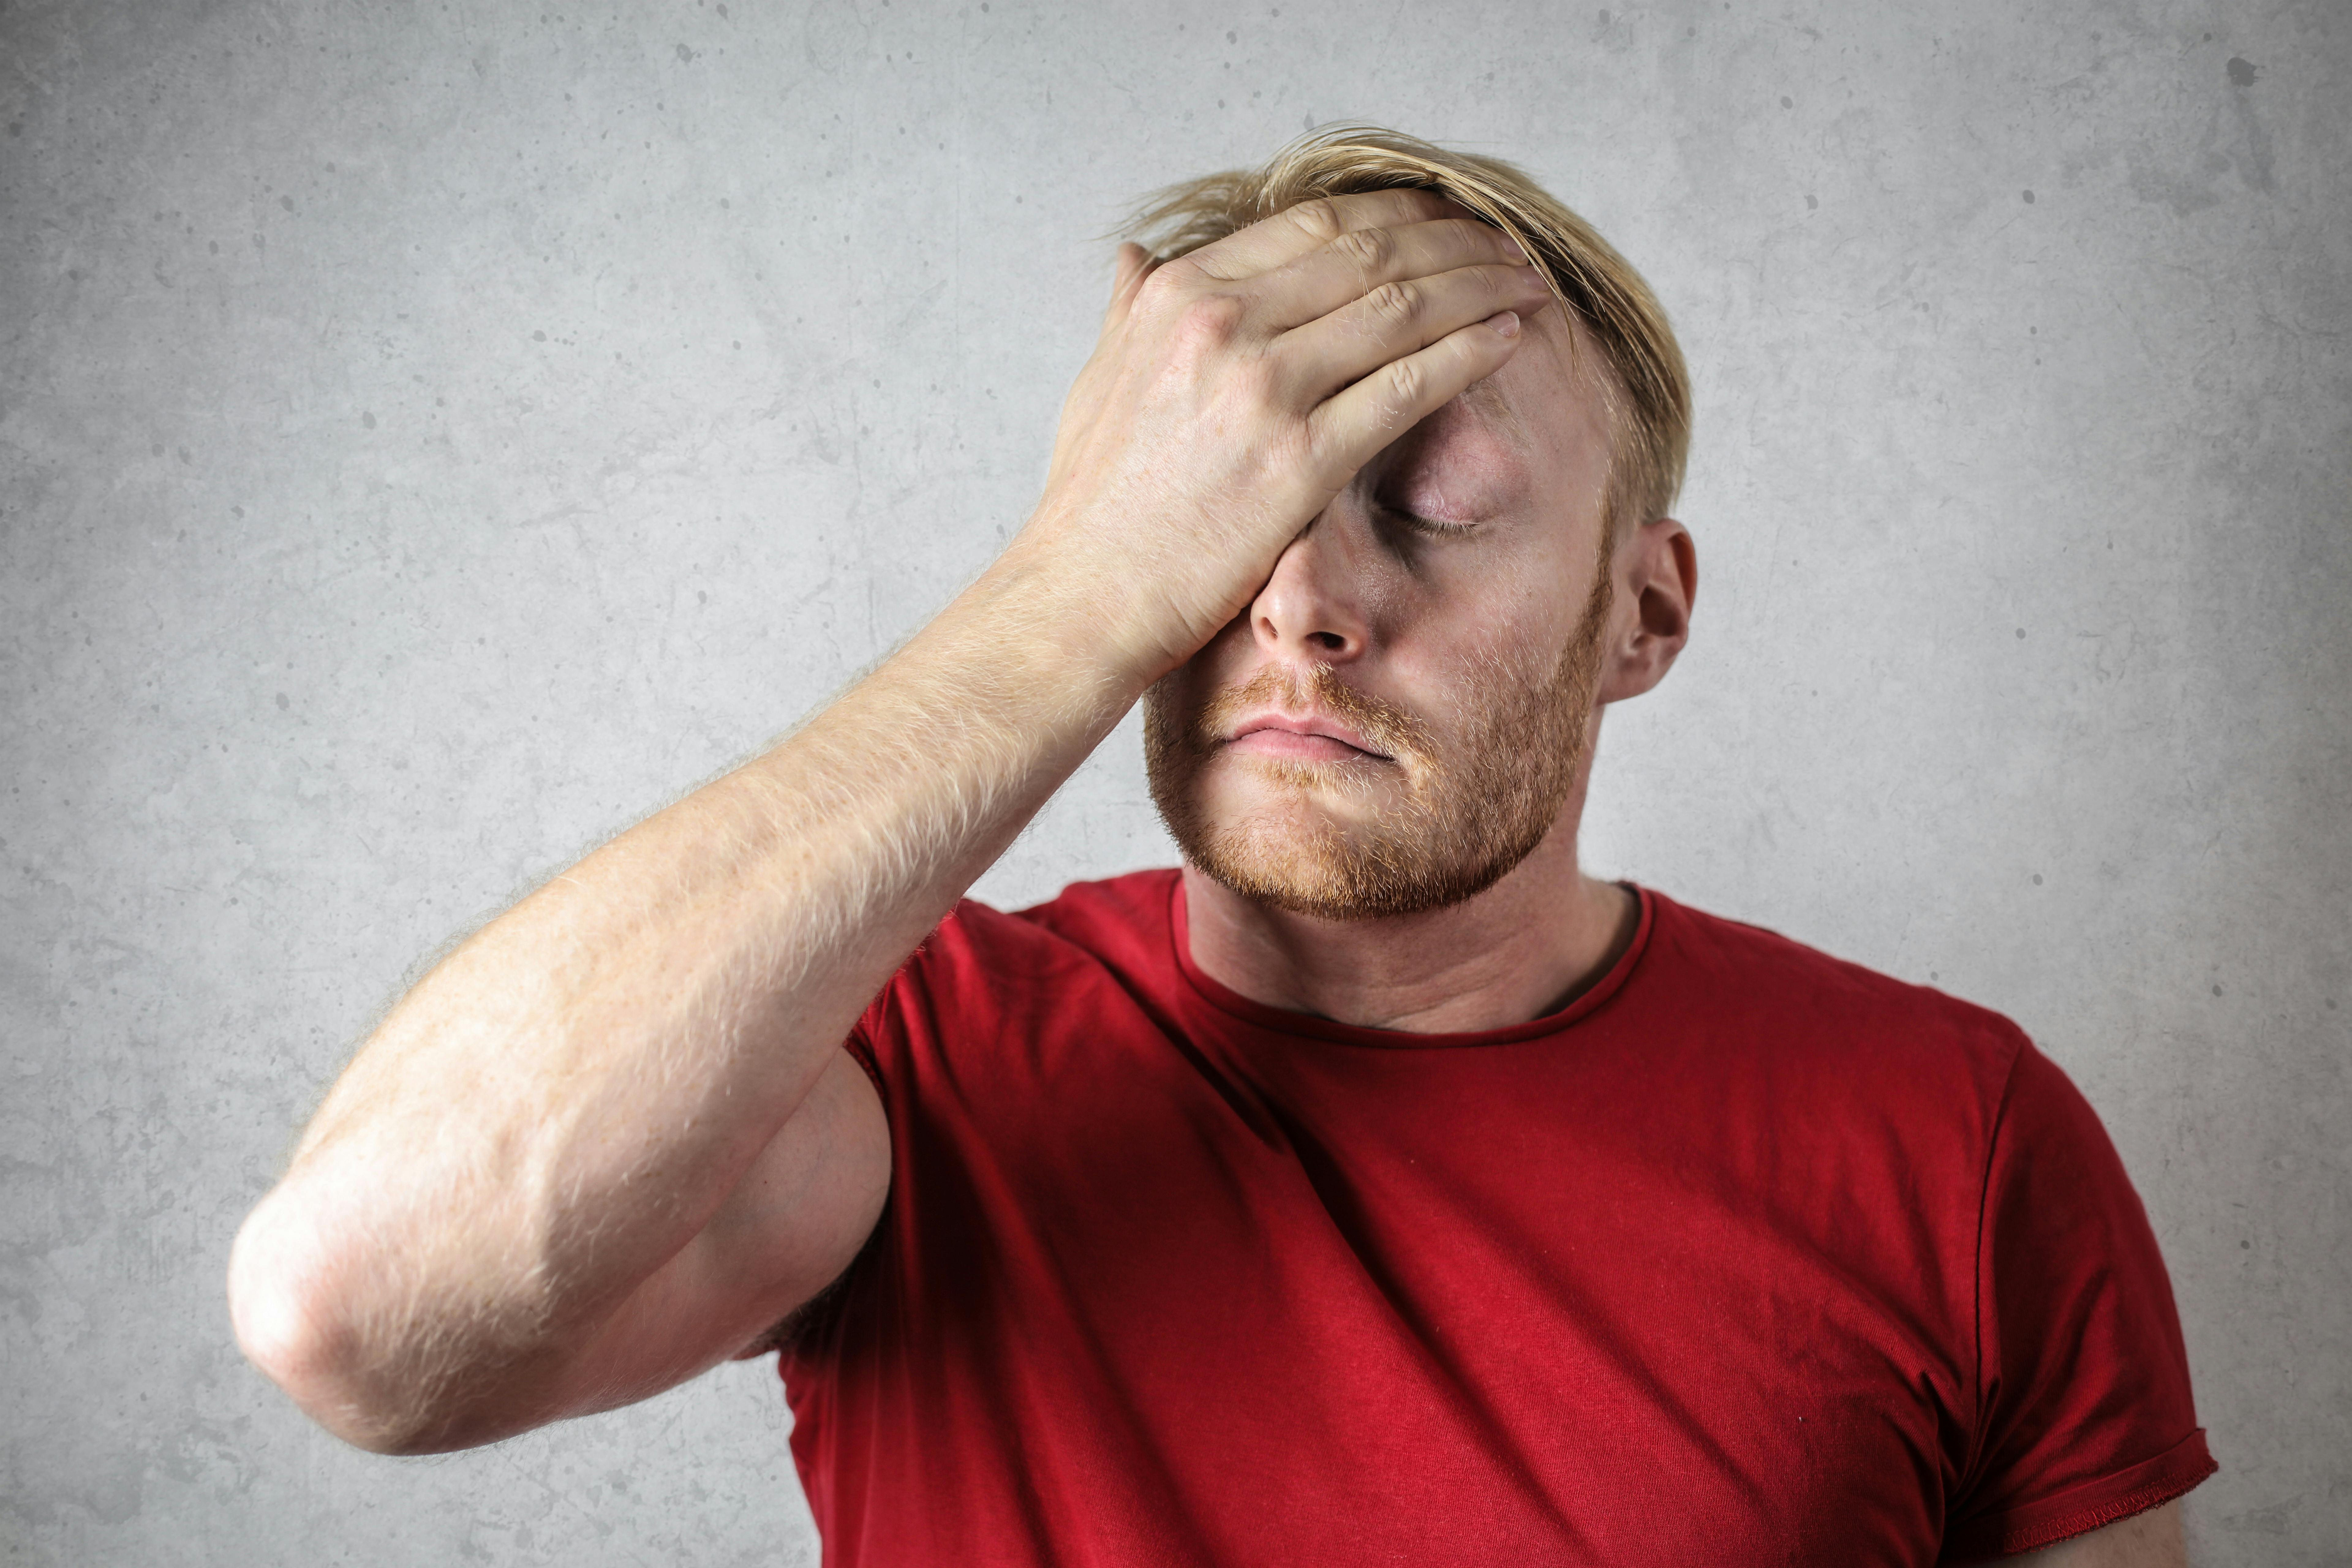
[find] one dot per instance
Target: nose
(1311, 608)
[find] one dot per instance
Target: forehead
(1546, 410)
(1555, 390)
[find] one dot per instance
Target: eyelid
(1436, 528)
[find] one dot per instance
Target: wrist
(1102, 628)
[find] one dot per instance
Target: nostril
(1330, 641)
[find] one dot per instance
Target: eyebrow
(1484, 398)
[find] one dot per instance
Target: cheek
(1495, 623)
(1176, 699)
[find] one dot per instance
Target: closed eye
(1430, 526)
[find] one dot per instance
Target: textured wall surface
(433, 436)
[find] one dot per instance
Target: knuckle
(1408, 382)
(1319, 218)
(1369, 250)
(1395, 303)
(1212, 320)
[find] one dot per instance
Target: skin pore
(1457, 614)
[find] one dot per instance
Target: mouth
(1312, 739)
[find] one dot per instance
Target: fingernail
(1506, 323)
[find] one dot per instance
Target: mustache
(1387, 726)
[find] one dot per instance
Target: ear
(1657, 584)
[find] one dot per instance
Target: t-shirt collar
(1224, 999)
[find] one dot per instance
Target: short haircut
(1647, 388)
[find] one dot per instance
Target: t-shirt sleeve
(877, 1039)
(865, 1033)
(2085, 1415)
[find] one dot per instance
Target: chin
(1349, 840)
(1324, 841)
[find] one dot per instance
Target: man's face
(1398, 718)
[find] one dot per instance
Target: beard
(1474, 803)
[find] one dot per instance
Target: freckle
(2029, 198)
(367, 420)
(2021, 634)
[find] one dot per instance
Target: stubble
(1473, 805)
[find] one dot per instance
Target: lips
(1312, 738)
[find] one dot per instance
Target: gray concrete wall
(433, 436)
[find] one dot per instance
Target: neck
(1525, 947)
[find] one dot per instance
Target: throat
(1528, 946)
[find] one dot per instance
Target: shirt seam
(1978, 1401)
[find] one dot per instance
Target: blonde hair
(1648, 390)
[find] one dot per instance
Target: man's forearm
(563, 1103)
(555, 1116)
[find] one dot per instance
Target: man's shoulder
(1738, 970)
(1121, 921)
(1093, 964)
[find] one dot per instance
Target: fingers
(1360, 262)
(1297, 231)
(1349, 429)
(1398, 319)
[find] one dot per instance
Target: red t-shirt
(1746, 1256)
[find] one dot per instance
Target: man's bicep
(2149, 1540)
(790, 1228)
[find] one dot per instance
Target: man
(1379, 1188)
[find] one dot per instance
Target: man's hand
(1237, 389)
(613, 1137)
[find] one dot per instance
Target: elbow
(304, 1335)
